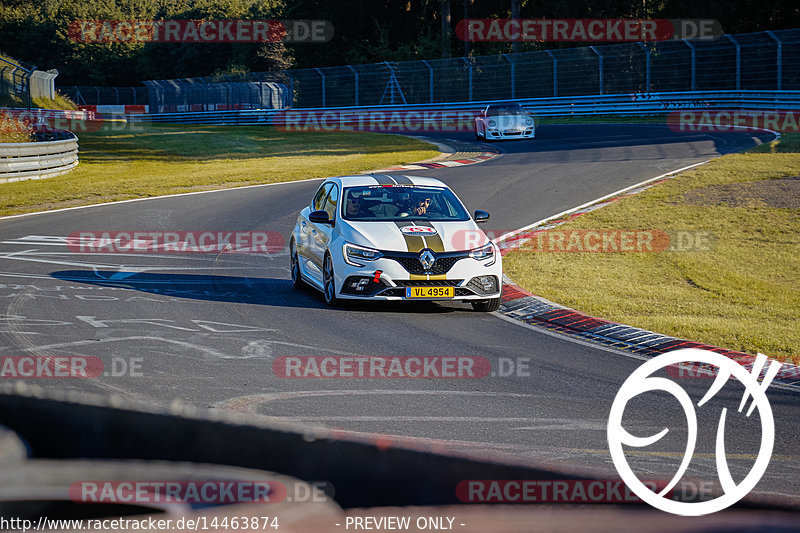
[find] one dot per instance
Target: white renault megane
(388, 237)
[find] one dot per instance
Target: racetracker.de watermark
(392, 367)
(429, 120)
(705, 371)
(21, 120)
(177, 242)
(200, 31)
(67, 367)
(734, 120)
(570, 491)
(589, 240)
(586, 30)
(164, 492)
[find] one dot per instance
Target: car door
(307, 235)
(319, 235)
(324, 232)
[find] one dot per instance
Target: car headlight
(483, 253)
(492, 123)
(358, 255)
(529, 121)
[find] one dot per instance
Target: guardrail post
(291, 88)
(780, 58)
(647, 66)
(355, 73)
(26, 76)
(555, 72)
(2, 78)
(430, 78)
(513, 76)
(469, 71)
(599, 65)
(323, 85)
(694, 64)
(738, 61)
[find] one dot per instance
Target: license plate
(430, 292)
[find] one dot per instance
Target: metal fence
(19, 84)
(15, 83)
(764, 61)
(204, 94)
(90, 95)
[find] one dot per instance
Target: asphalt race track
(205, 329)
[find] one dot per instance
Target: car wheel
(486, 306)
(297, 279)
(329, 281)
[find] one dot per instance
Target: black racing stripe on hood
(401, 180)
(383, 179)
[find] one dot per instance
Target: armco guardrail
(617, 104)
(37, 160)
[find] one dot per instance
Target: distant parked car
(503, 122)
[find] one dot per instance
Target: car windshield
(395, 203)
(504, 110)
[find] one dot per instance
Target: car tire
(297, 279)
(486, 306)
(329, 281)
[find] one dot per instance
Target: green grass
(59, 102)
(743, 294)
(151, 160)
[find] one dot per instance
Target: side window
(332, 202)
(319, 198)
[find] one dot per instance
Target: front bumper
(494, 133)
(471, 280)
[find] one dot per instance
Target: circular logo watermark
(642, 381)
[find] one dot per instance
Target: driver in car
(356, 207)
(419, 205)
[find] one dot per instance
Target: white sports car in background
(388, 237)
(504, 121)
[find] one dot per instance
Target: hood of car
(413, 235)
(510, 121)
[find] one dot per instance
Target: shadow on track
(274, 292)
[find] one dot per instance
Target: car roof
(385, 179)
(510, 104)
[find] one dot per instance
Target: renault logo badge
(427, 259)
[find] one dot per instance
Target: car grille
(428, 282)
(410, 261)
(400, 290)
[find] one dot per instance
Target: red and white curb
(483, 156)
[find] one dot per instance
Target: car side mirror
(481, 216)
(319, 217)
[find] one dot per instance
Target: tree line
(37, 31)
